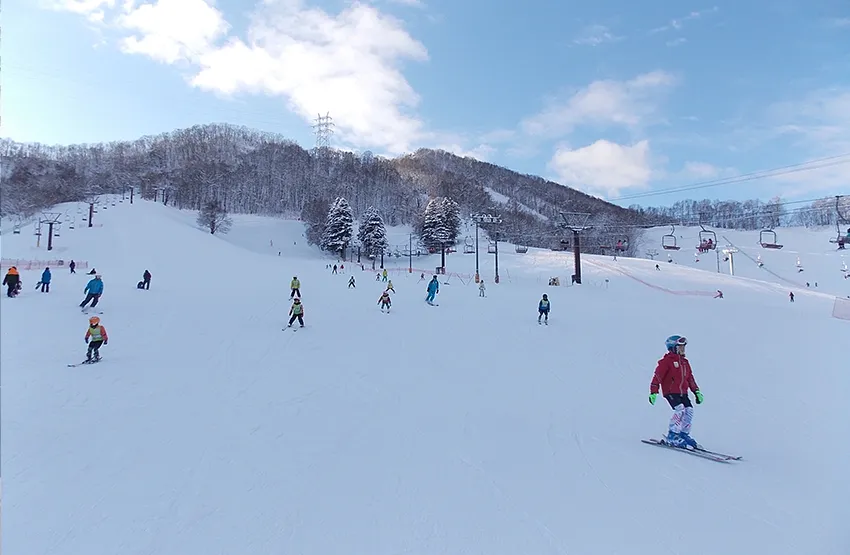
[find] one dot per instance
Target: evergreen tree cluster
(339, 225)
(440, 223)
(372, 233)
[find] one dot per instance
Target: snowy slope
(463, 428)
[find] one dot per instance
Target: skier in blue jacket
(433, 289)
(93, 290)
(45, 281)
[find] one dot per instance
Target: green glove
(652, 397)
(700, 397)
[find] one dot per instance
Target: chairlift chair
(491, 247)
(521, 249)
(707, 239)
(668, 242)
(767, 239)
(621, 245)
(16, 230)
(468, 246)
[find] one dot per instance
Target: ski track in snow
(471, 429)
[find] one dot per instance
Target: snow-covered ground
(462, 428)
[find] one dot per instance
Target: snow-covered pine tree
(373, 233)
(338, 227)
(451, 215)
(433, 230)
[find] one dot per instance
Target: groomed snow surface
(464, 428)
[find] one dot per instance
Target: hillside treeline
(249, 171)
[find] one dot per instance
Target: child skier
(295, 286)
(297, 311)
(45, 281)
(674, 376)
(390, 286)
(385, 301)
(481, 289)
(543, 309)
(95, 337)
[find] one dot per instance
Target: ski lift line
(810, 165)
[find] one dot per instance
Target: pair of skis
(700, 452)
(93, 361)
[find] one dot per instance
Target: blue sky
(617, 98)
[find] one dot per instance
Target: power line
(811, 165)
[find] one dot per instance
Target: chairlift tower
(576, 222)
(486, 219)
(730, 253)
(51, 219)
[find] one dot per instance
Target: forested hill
(262, 173)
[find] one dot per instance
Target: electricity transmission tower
(576, 222)
(323, 127)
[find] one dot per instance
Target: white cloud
(677, 24)
(172, 30)
(604, 167)
(676, 42)
(481, 152)
(625, 103)
(594, 35)
(80, 7)
(819, 126)
(348, 63)
(414, 3)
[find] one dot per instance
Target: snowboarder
(93, 290)
(351, 283)
(146, 280)
(390, 286)
(481, 289)
(385, 301)
(675, 377)
(95, 337)
(11, 281)
(433, 289)
(295, 286)
(72, 265)
(297, 311)
(719, 294)
(45, 281)
(543, 309)
(93, 272)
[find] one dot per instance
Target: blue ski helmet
(674, 341)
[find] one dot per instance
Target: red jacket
(674, 375)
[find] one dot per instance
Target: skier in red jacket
(674, 376)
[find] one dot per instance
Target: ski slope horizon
(462, 428)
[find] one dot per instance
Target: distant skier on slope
(481, 289)
(385, 301)
(390, 286)
(433, 289)
(543, 309)
(295, 287)
(674, 376)
(297, 311)
(351, 283)
(45, 281)
(97, 334)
